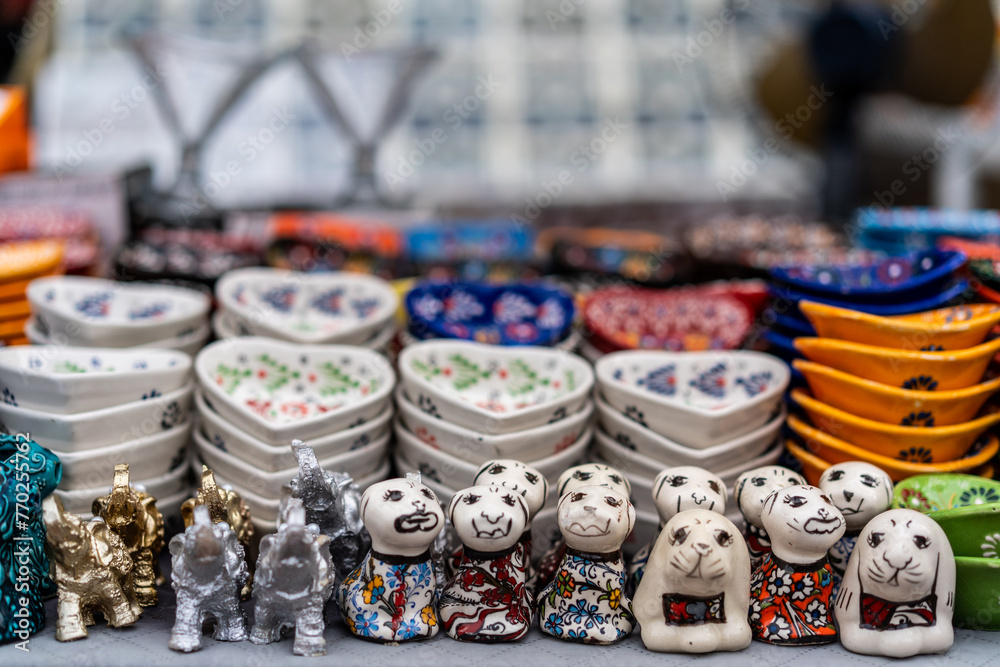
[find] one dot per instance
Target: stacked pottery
(256, 395)
(463, 403)
(21, 262)
(98, 407)
(93, 312)
(720, 411)
(336, 308)
(904, 393)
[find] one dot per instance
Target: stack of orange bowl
(905, 393)
(20, 263)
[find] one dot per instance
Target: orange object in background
(14, 139)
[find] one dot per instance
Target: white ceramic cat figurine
(750, 490)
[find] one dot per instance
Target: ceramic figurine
(750, 490)
(860, 491)
(92, 569)
(333, 502)
(133, 516)
(391, 596)
(694, 596)
(676, 490)
(898, 594)
(791, 593)
(294, 579)
(227, 506)
(586, 601)
(28, 473)
(208, 572)
(587, 474)
(486, 599)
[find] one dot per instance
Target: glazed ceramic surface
(920, 371)
(99, 428)
(682, 488)
(633, 435)
(893, 405)
(97, 312)
(953, 328)
(977, 605)
(495, 389)
(973, 530)
(511, 314)
(223, 328)
(699, 399)
(188, 342)
(475, 447)
(937, 299)
(940, 491)
(749, 491)
(343, 308)
(280, 391)
(272, 458)
(67, 380)
(915, 441)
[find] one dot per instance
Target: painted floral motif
(625, 441)
(364, 308)
(840, 554)
(512, 307)
(172, 415)
(149, 312)
(978, 495)
(389, 601)
(427, 405)
(914, 500)
(662, 381)
(462, 306)
(427, 307)
(95, 305)
(280, 298)
(152, 393)
(329, 302)
(712, 381)
(916, 455)
(755, 383)
(991, 546)
(788, 606)
(932, 348)
(8, 397)
(922, 418)
(636, 415)
(758, 544)
(585, 602)
(921, 383)
(548, 565)
(486, 600)
(551, 315)
(219, 442)
(429, 472)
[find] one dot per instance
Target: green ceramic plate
(931, 493)
(977, 593)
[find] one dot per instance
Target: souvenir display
(586, 601)
(898, 592)
(196, 255)
(942, 491)
(208, 571)
(694, 596)
(294, 579)
(640, 256)
(486, 599)
(391, 596)
(93, 570)
(791, 593)
(29, 473)
(751, 488)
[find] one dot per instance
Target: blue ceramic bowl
(513, 314)
(930, 302)
(891, 280)
(790, 323)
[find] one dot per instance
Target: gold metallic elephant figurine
(133, 516)
(92, 569)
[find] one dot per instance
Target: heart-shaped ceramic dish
(494, 389)
(104, 313)
(279, 391)
(223, 328)
(476, 447)
(698, 399)
(80, 501)
(635, 436)
(938, 492)
(310, 308)
(100, 428)
(272, 458)
(67, 380)
(509, 314)
(189, 342)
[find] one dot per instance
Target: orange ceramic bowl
(923, 371)
(834, 450)
(928, 444)
(892, 405)
(952, 328)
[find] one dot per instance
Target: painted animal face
(859, 490)
(514, 475)
(595, 519)
(899, 554)
(592, 474)
(402, 516)
(703, 550)
(488, 517)
(802, 523)
(755, 485)
(688, 488)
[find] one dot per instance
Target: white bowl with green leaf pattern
(279, 391)
(491, 388)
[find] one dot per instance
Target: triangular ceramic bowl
(279, 391)
(310, 308)
(492, 389)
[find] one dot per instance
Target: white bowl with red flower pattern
(494, 389)
(697, 399)
(279, 392)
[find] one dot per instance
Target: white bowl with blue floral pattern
(697, 399)
(80, 501)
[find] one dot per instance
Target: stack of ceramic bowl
(96, 408)
(256, 395)
(336, 308)
(904, 393)
(462, 403)
(902, 285)
(721, 411)
(20, 263)
(93, 312)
